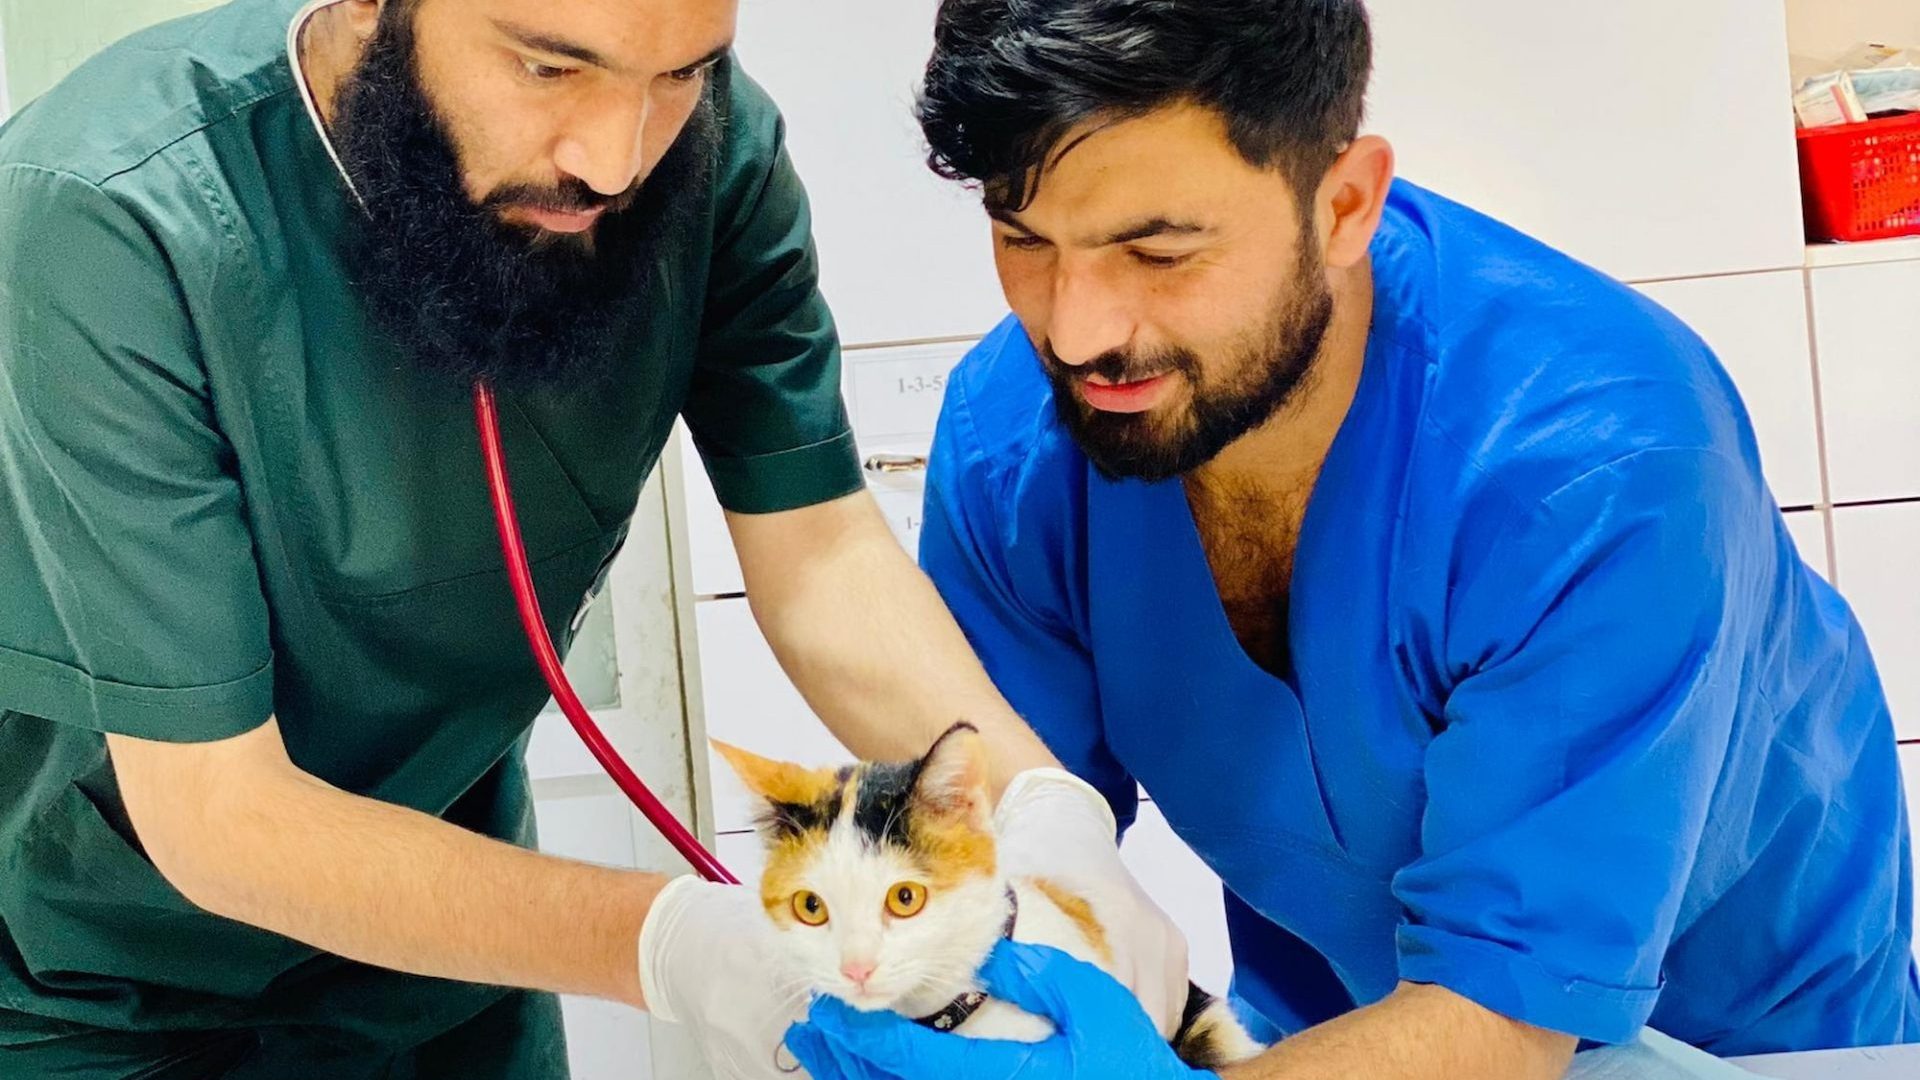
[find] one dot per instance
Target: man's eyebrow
(542, 42)
(1008, 218)
(553, 46)
(714, 56)
(1155, 226)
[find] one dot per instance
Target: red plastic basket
(1862, 181)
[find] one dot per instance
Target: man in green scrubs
(263, 695)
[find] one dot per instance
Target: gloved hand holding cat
(1101, 1032)
(896, 894)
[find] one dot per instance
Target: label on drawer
(897, 391)
(902, 510)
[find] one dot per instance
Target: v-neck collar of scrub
(1170, 510)
(299, 23)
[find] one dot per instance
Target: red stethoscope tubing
(520, 575)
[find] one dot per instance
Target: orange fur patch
(786, 859)
(1079, 912)
(778, 781)
(783, 782)
(951, 849)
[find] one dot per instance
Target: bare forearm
(1417, 1033)
(398, 889)
(870, 644)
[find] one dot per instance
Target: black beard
(469, 295)
(1256, 384)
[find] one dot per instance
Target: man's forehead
(1171, 171)
(647, 36)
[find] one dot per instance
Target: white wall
(1827, 28)
(1652, 139)
(6, 105)
(904, 255)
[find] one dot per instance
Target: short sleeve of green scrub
(764, 405)
(133, 604)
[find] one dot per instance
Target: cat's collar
(962, 1008)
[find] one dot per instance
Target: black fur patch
(884, 804)
(786, 820)
(1195, 1043)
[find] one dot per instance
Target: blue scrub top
(1569, 729)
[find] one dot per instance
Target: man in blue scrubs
(1425, 578)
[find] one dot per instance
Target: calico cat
(882, 882)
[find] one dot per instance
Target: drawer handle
(896, 463)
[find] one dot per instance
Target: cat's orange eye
(809, 908)
(906, 899)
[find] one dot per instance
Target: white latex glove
(706, 962)
(1054, 825)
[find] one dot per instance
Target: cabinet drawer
(1757, 325)
(1867, 329)
(595, 828)
(1186, 890)
(1809, 531)
(893, 399)
(604, 1038)
(751, 704)
(896, 392)
(1873, 553)
(607, 1040)
(742, 853)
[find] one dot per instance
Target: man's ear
(1351, 199)
(362, 16)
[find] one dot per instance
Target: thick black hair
(1009, 79)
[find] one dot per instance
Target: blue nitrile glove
(1102, 1033)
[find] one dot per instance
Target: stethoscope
(527, 600)
(519, 574)
(520, 577)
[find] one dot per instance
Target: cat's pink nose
(858, 971)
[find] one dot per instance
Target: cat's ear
(952, 782)
(776, 781)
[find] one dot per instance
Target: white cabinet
(904, 255)
(1809, 531)
(1649, 138)
(604, 1039)
(751, 704)
(1757, 325)
(893, 397)
(1874, 550)
(581, 815)
(742, 853)
(712, 564)
(1186, 890)
(594, 826)
(1867, 327)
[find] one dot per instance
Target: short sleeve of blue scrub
(1570, 729)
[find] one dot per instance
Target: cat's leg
(999, 1020)
(1211, 1036)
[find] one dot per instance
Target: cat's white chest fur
(1041, 922)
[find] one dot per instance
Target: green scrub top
(223, 495)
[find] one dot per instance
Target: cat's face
(881, 878)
